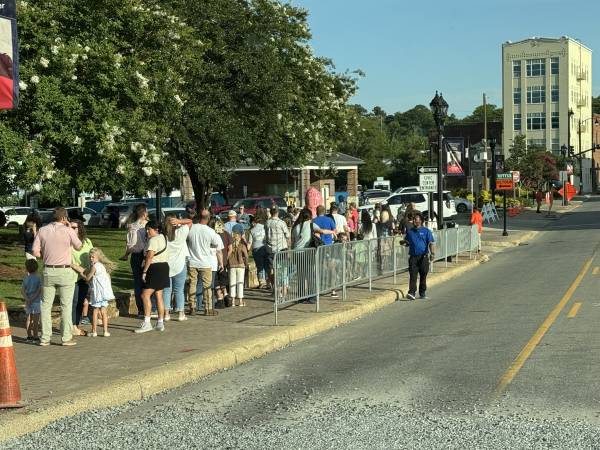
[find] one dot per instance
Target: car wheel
(461, 208)
(12, 224)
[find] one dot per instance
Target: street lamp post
(493, 183)
(439, 108)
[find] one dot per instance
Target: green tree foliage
(494, 114)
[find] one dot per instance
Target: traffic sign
(504, 182)
(428, 182)
(516, 176)
(571, 191)
(427, 169)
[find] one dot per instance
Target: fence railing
(305, 274)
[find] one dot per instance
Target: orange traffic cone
(10, 392)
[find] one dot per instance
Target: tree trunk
(201, 190)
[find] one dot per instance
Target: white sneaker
(160, 326)
(144, 327)
(167, 317)
(107, 334)
(93, 334)
(154, 315)
(181, 317)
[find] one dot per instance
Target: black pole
(493, 187)
(440, 187)
(504, 233)
(158, 202)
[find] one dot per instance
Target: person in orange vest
(477, 219)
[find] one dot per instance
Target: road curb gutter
(176, 374)
(514, 243)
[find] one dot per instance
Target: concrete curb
(514, 243)
(172, 375)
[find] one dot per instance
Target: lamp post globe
(439, 109)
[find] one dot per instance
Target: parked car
(16, 216)
(90, 217)
(463, 205)
(251, 204)
(180, 213)
(372, 196)
(47, 216)
(217, 204)
(115, 215)
(400, 190)
(421, 201)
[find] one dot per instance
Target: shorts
(157, 277)
(34, 308)
(99, 304)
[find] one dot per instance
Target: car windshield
(378, 194)
(280, 202)
(246, 203)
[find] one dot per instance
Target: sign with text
(427, 178)
(454, 155)
(504, 182)
(516, 176)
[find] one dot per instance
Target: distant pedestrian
(155, 274)
(277, 237)
(30, 229)
(539, 196)
(256, 240)
(136, 243)
(367, 229)
(32, 294)
(477, 219)
(232, 216)
(237, 260)
(325, 223)
(100, 292)
(80, 257)
(53, 243)
(176, 231)
(421, 251)
(204, 245)
(341, 224)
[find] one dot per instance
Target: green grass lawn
(12, 261)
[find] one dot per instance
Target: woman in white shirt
(155, 275)
(367, 229)
(177, 232)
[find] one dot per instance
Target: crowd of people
(193, 265)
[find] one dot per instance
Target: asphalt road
(492, 360)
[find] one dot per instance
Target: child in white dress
(100, 292)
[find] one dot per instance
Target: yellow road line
(512, 371)
(574, 310)
(596, 270)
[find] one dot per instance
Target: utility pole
(486, 185)
(579, 159)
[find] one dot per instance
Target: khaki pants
(206, 277)
(63, 280)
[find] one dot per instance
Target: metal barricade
(358, 257)
(383, 252)
(451, 235)
(330, 262)
(464, 239)
(296, 277)
(400, 256)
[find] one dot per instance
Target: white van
(421, 201)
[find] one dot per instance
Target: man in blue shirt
(421, 248)
(325, 223)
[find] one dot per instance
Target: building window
(517, 96)
(536, 67)
(536, 94)
(555, 118)
(554, 66)
(555, 145)
(517, 122)
(541, 143)
(536, 121)
(516, 69)
(554, 93)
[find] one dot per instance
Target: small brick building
(337, 173)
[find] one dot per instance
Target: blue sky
(408, 49)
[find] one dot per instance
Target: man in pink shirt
(53, 244)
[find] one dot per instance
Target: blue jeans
(200, 289)
(177, 287)
(138, 284)
(261, 259)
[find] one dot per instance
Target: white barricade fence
(307, 273)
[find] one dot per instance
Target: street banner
(499, 163)
(9, 56)
(454, 155)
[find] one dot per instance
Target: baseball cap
(231, 213)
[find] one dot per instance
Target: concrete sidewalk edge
(511, 243)
(173, 375)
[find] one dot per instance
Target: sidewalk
(100, 372)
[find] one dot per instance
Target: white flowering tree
(95, 76)
(255, 91)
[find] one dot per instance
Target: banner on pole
(454, 155)
(9, 56)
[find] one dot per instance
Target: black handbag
(314, 240)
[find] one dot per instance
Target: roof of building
(336, 160)
(545, 39)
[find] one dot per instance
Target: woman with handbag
(155, 274)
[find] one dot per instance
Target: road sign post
(428, 182)
(504, 182)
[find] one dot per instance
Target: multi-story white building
(542, 80)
